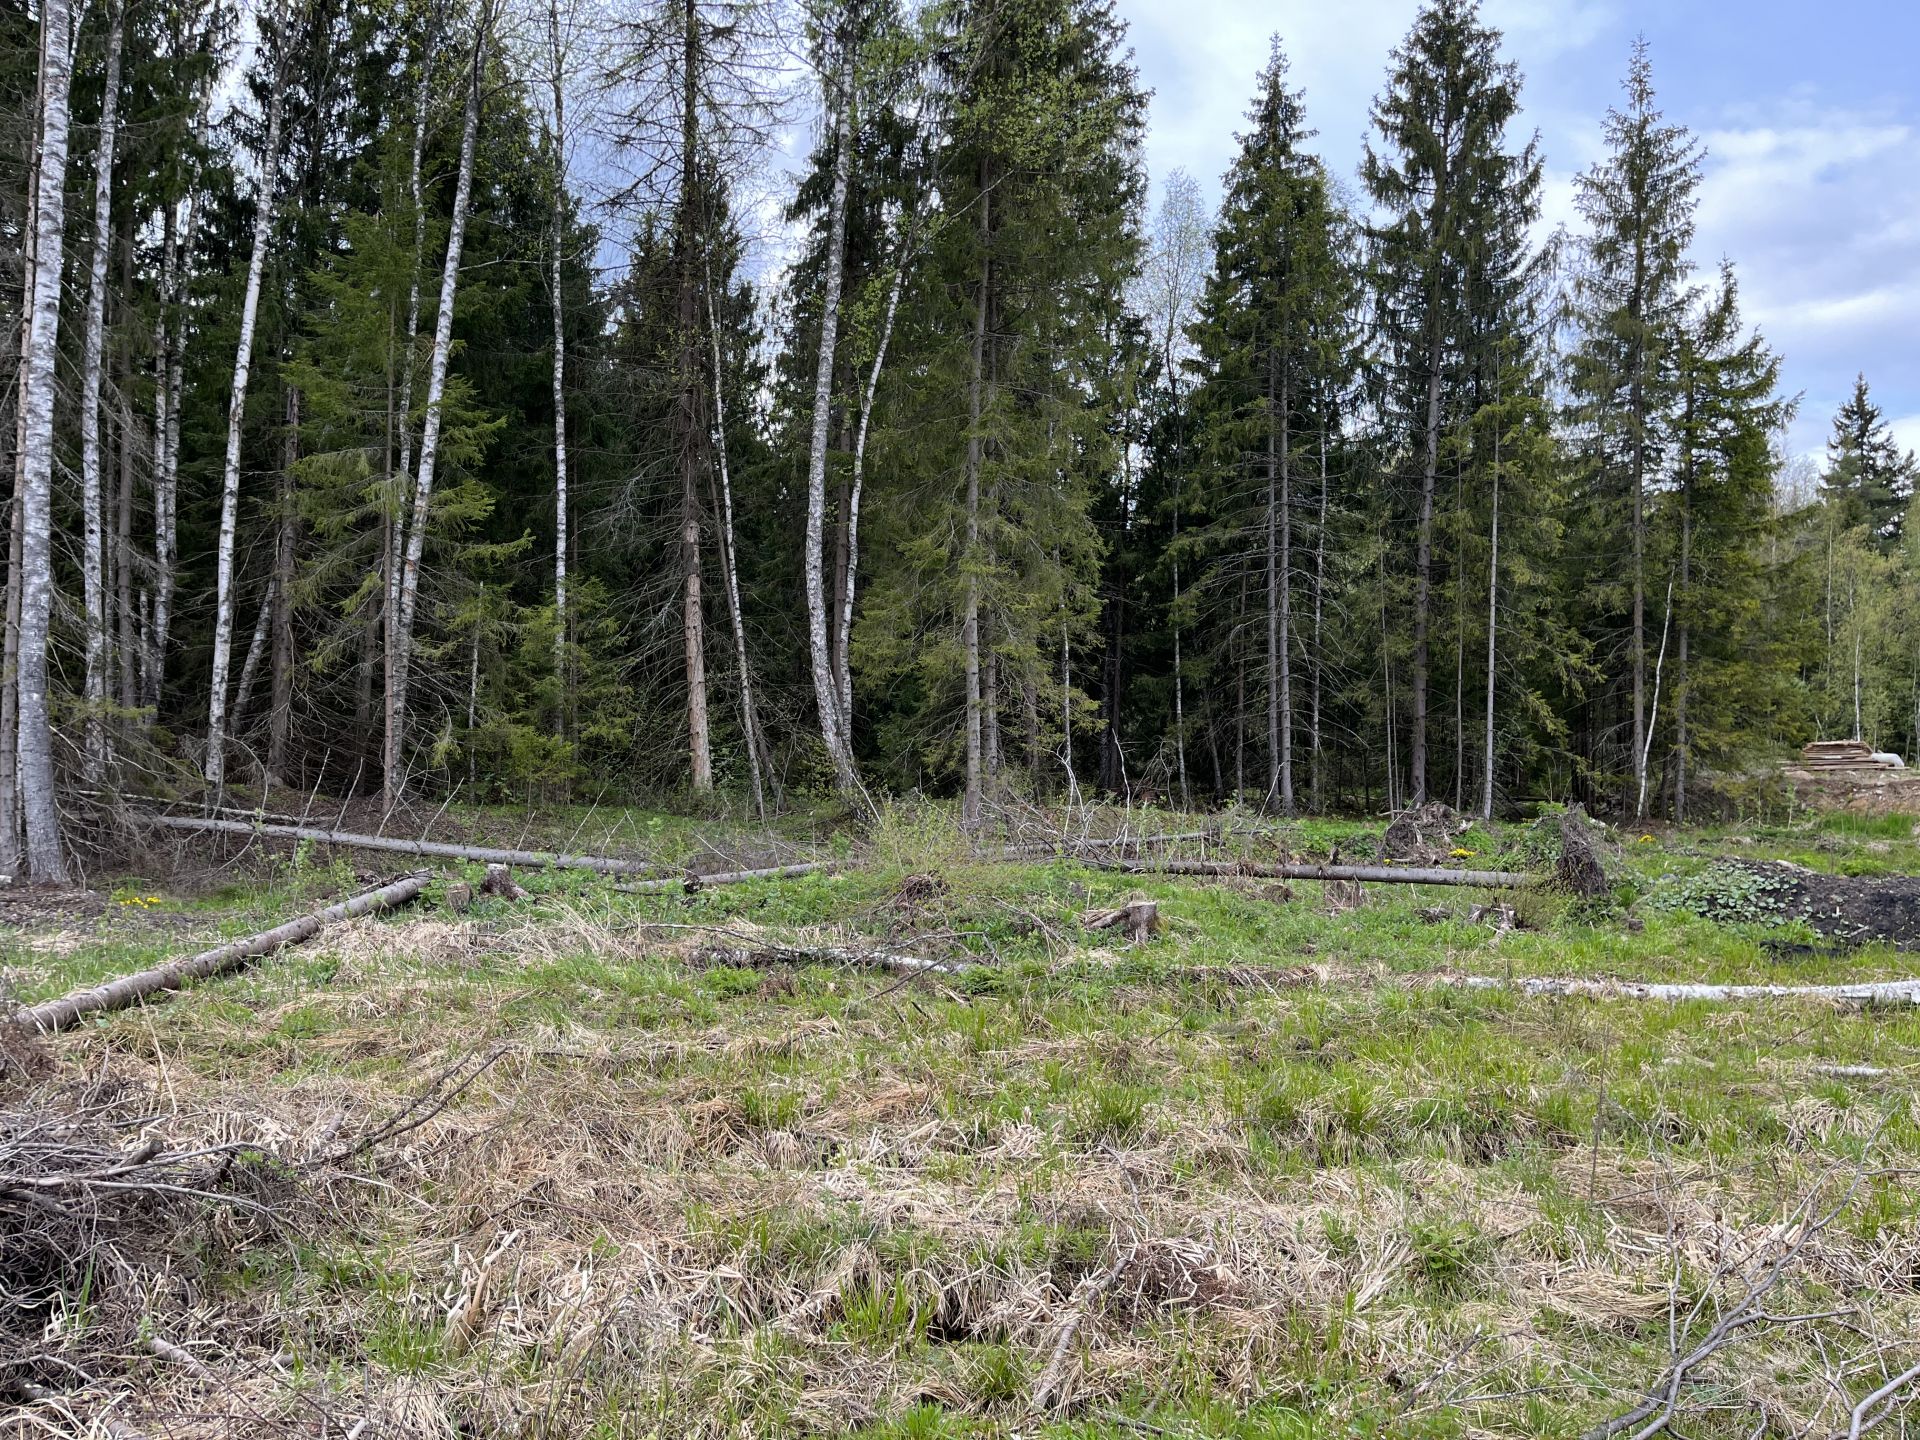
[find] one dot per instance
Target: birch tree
(839, 95)
(394, 779)
(45, 853)
(93, 365)
(224, 586)
(557, 48)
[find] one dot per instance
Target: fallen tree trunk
(479, 854)
(1067, 845)
(52, 1015)
(692, 883)
(1900, 991)
(1370, 874)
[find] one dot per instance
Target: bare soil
(1847, 908)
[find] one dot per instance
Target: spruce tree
(1869, 482)
(1003, 432)
(1633, 297)
(1444, 177)
(1731, 669)
(1269, 341)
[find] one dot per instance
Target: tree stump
(500, 882)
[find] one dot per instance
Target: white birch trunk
(93, 363)
(230, 485)
(825, 689)
(730, 569)
(844, 679)
(45, 856)
(430, 433)
(166, 486)
(559, 366)
(397, 522)
(256, 651)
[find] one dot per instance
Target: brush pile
(105, 1221)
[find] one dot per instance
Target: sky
(1810, 114)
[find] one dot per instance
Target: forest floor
(607, 1164)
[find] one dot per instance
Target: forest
(419, 399)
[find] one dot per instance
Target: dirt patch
(1858, 792)
(32, 906)
(1850, 909)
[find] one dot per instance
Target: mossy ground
(1266, 1175)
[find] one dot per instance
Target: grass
(1288, 1185)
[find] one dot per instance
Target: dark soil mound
(1842, 907)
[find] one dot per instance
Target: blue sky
(1810, 114)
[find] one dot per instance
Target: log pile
(1845, 755)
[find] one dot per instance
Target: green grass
(764, 1197)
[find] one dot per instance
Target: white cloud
(1814, 206)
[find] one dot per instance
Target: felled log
(1905, 992)
(692, 884)
(1069, 845)
(52, 1015)
(439, 849)
(1369, 874)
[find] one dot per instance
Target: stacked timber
(1845, 755)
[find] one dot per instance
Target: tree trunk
(1319, 654)
(216, 772)
(162, 343)
(730, 569)
(250, 667)
(688, 416)
(1240, 695)
(970, 560)
(1271, 530)
(46, 857)
(1638, 418)
(1423, 579)
(10, 854)
(1286, 594)
(1683, 677)
(286, 539)
(52, 1015)
(394, 779)
(1493, 613)
(166, 483)
(92, 376)
(127, 645)
(826, 691)
(559, 368)
(1386, 665)
(392, 760)
(843, 652)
